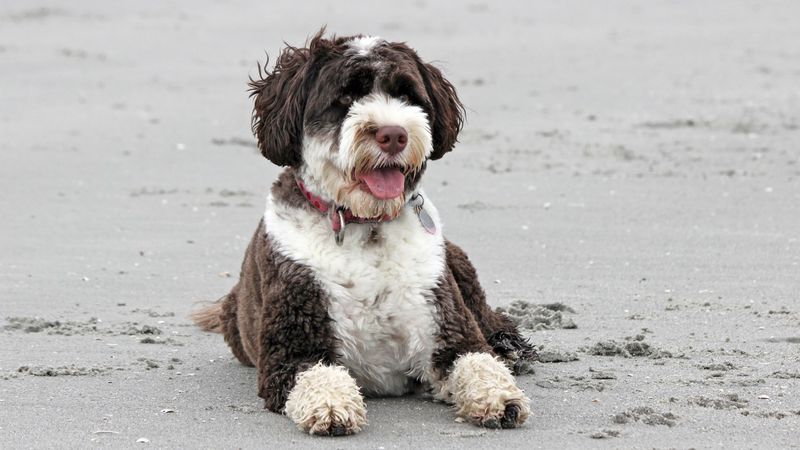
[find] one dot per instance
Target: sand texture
(627, 185)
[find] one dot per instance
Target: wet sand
(635, 164)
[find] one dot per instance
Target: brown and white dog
(348, 287)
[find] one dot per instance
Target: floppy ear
(447, 115)
(280, 100)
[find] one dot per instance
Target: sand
(634, 162)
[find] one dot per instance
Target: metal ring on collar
(339, 235)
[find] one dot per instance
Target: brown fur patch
(499, 331)
(276, 317)
(466, 277)
(459, 334)
(446, 111)
(285, 190)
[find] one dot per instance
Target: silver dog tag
(425, 219)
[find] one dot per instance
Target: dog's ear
(279, 106)
(447, 115)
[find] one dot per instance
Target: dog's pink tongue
(385, 183)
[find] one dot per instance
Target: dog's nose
(392, 139)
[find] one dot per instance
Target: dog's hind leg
(220, 317)
(501, 334)
(230, 329)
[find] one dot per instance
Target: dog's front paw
(512, 416)
(326, 401)
(484, 392)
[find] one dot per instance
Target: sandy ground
(636, 163)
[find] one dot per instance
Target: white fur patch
(363, 45)
(326, 397)
(316, 160)
(329, 166)
(380, 287)
(377, 110)
(480, 386)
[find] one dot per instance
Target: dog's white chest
(380, 291)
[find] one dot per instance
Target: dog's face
(358, 117)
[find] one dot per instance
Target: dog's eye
(345, 100)
(403, 98)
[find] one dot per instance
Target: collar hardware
(338, 215)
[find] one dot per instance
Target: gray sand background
(635, 162)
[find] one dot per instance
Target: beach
(627, 185)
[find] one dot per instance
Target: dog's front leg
(296, 370)
(484, 392)
(322, 398)
(326, 401)
(479, 385)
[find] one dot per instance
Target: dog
(348, 287)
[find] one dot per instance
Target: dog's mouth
(383, 183)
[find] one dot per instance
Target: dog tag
(425, 219)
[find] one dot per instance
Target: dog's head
(358, 117)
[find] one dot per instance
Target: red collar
(338, 215)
